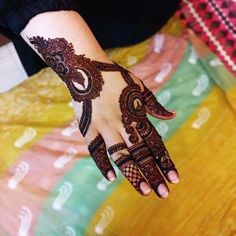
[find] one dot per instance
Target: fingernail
(111, 175)
(172, 112)
(145, 188)
(173, 177)
(162, 190)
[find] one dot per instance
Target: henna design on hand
(132, 102)
(130, 170)
(115, 67)
(82, 75)
(98, 152)
(83, 79)
(131, 105)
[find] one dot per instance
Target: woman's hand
(110, 103)
(111, 106)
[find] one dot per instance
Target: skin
(112, 113)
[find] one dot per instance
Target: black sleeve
(15, 14)
(114, 23)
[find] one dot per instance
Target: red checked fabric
(214, 21)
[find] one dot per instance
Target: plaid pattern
(214, 21)
(132, 173)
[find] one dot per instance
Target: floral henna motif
(97, 149)
(147, 165)
(82, 75)
(130, 170)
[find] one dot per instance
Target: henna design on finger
(154, 142)
(164, 162)
(98, 152)
(153, 105)
(134, 119)
(116, 147)
(127, 165)
(130, 170)
(147, 165)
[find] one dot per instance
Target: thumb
(154, 108)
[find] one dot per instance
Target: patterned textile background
(214, 21)
(51, 187)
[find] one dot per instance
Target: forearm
(68, 25)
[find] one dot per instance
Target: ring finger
(146, 163)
